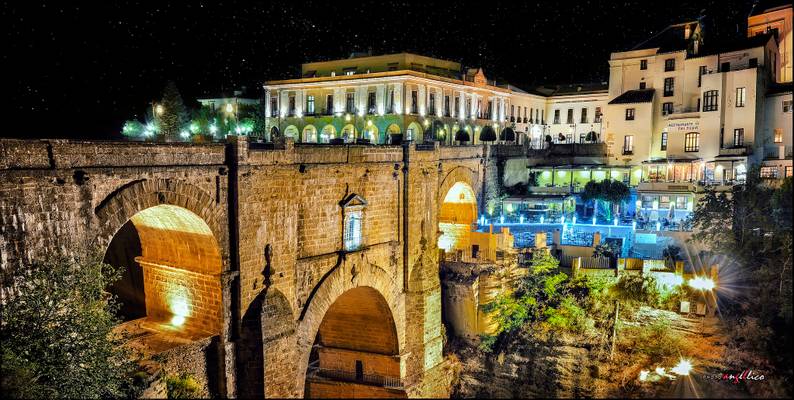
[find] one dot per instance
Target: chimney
(687, 31)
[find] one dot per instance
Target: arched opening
(414, 132)
(371, 132)
(171, 267)
(349, 133)
(393, 129)
(356, 349)
(457, 214)
(328, 133)
(291, 132)
(309, 134)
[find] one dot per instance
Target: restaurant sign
(684, 125)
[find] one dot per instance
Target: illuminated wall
(458, 212)
(181, 268)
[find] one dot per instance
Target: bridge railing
(339, 374)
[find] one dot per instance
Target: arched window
(353, 207)
(692, 142)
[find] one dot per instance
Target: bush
(568, 316)
(56, 331)
(634, 290)
(182, 387)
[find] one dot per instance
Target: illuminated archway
(393, 129)
(349, 132)
(328, 133)
(414, 132)
(371, 132)
(356, 343)
(457, 213)
(291, 132)
(172, 265)
(309, 134)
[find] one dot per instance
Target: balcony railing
(351, 376)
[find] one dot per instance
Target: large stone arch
(129, 199)
(171, 258)
(266, 347)
(457, 210)
(459, 174)
(352, 272)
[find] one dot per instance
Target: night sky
(81, 71)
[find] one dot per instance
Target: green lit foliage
(606, 249)
(56, 331)
(182, 387)
(545, 297)
(174, 117)
(133, 129)
(609, 191)
(635, 290)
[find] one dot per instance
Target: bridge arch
(266, 347)
(354, 315)
(457, 210)
(169, 255)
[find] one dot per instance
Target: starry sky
(80, 71)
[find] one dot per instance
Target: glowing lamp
(541, 219)
(634, 225)
(213, 128)
(594, 220)
(702, 283)
(563, 220)
(159, 109)
(369, 122)
(683, 367)
(229, 108)
(347, 117)
(185, 134)
(615, 221)
(501, 219)
(658, 225)
(574, 220)
(521, 219)
(644, 375)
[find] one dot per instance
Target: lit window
(556, 116)
(348, 73)
(786, 106)
(669, 64)
(310, 104)
(354, 215)
(629, 114)
(738, 137)
(667, 108)
(664, 141)
(628, 144)
(669, 86)
(710, 100)
(692, 142)
(740, 96)
(353, 231)
(769, 172)
(778, 135)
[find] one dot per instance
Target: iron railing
(351, 376)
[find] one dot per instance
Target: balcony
(736, 151)
(682, 112)
(341, 375)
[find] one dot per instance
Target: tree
(56, 331)
(174, 115)
(609, 191)
(750, 230)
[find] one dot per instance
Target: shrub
(56, 330)
(183, 386)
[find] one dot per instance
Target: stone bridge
(313, 270)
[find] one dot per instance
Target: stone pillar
(576, 266)
(267, 103)
(300, 101)
(596, 239)
(540, 240)
(473, 109)
(421, 100)
(439, 102)
(398, 98)
(380, 99)
(283, 103)
(461, 105)
(556, 238)
(339, 101)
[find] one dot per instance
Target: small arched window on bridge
(353, 207)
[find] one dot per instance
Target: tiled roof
(634, 96)
(669, 39)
